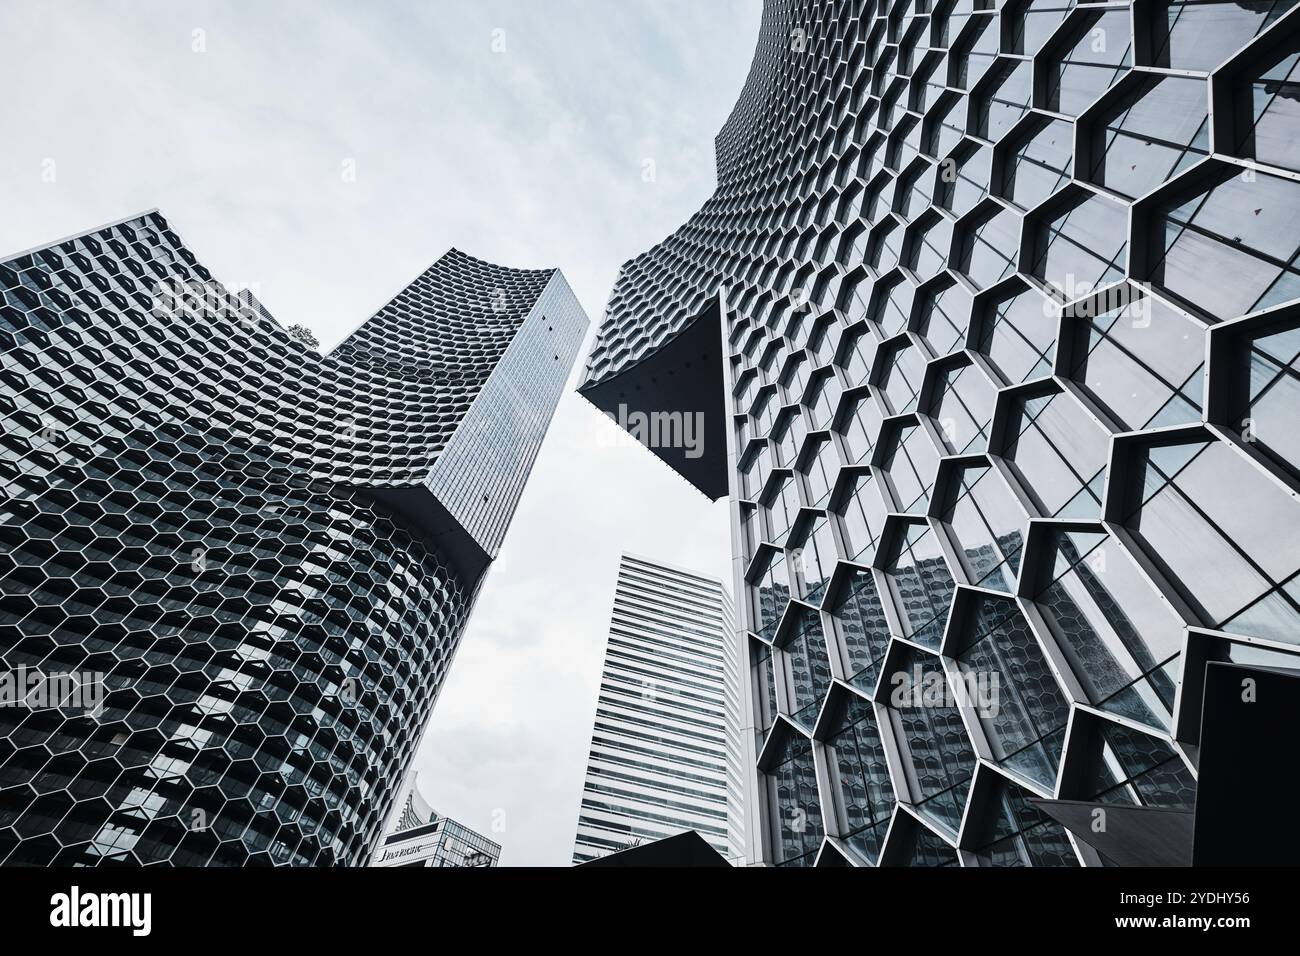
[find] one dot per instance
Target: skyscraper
(263, 557)
(423, 837)
(662, 759)
(992, 323)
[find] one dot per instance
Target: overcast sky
(516, 131)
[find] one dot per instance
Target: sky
(325, 154)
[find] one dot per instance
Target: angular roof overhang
(650, 399)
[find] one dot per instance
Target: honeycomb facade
(264, 556)
(1006, 303)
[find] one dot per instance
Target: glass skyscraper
(992, 322)
(263, 557)
(664, 751)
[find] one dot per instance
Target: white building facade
(665, 746)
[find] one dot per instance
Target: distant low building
(423, 837)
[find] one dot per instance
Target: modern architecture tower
(664, 755)
(264, 556)
(993, 319)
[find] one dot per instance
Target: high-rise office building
(992, 326)
(263, 557)
(662, 759)
(421, 836)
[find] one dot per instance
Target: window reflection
(1123, 642)
(1059, 454)
(921, 585)
(1012, 691)
(937, 755)
(864, 797)
(1223, 530)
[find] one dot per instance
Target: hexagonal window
(1239, 227)
(987, 523)
(1232, 551)
(1010, 831)
(794, 808)
(1058, 453)
(1141, 361)
(1122, 640)
(962, 407)
(1159, 128)
(920, 583)
(1010, 688)
(862, 518)
(861, 791)
(861, 629)
(938, 761)
(910, 461)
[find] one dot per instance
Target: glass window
(963, 179)
(937, 754)
(824, 399)
(1143, 362)
(809, 668)
(1125, 766)
(1097, 52)
(911, 467)
(977, 53)
(1160, 129)
(1007, 101)
(771, 595)
(962, 408)
(858, 356)
(944, 316)
(782, 506)
(862, 427)
(1122, 640)
(765, 689)
(988, 525)
(1012, 691)
(1271, 133)
(863, 794)
(1018, 335)
(794, 808)
(1059, 454)
(815, 558)
(1013, 832)
(990, 245)
(1271, 405)
(1201, 34)
(904, 369)
(862, 518)
(821, 471)
(1082, 247)
(928, 254)
(1041, 166)
(789, 434)
(921, 585)
(1035, 21)
(863, 630)
(1240, 227)
(1223, 530)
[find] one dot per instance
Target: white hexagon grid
(1011, 306)
(241, 538)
